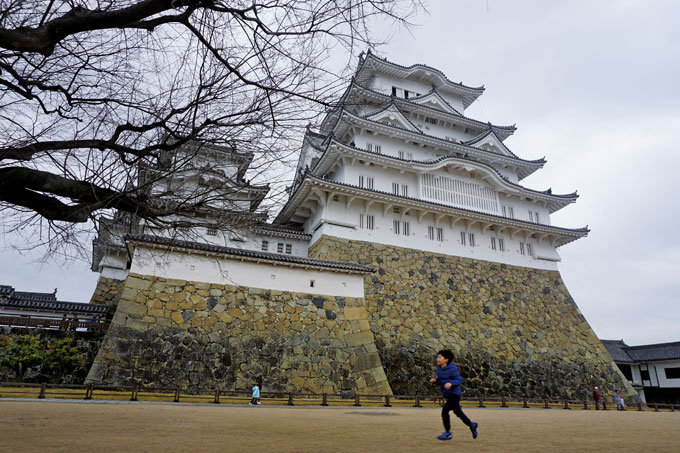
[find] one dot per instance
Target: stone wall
(201, 335)
(107, 292)
(514, 331)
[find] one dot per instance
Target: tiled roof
(443, 140)
(617, 350)
(24, 300)
(480, 90)
(275, 230)
(548, 192)
(252, 254)
(481, 124)
(654, 352)
(308, 176)
(622, 353)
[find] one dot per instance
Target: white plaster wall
(418, 239)
(663, 381)
(114, 273)
(522, 208)
(228, 271)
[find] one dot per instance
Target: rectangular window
(531, 216)
(361, 181)
(370, 222)
(369, 146)
(530, 249)
(289, 248)
(511, 212)
(394, 91)
(493, 243)
(401, 154)
(279, 247)
(361, 220)
(406, 230)
(430, 120)
(404, 190)
(395, 226)
(265, 246)
(406, 94)
(521, 248)
(212, 231)
(504, 213)
(462, 238)
(672, 373)
(378, 148)
(395, 188)
(501, 244)
(644, 375)
(440, 234)
(369, 182)
(430, 233)
(536, 216)
(471, 238)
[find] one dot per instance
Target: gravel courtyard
(29, 426)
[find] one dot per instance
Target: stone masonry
(174, 333)
(107, 291)
(514, 331)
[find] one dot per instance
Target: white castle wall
(226, 271)
(344, 223)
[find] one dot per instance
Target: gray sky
(593, 87)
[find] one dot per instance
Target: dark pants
(597, 405)
(453, 404)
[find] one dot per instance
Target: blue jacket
(449, 373)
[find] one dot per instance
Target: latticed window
(459, 192)
(493, 243)
(212, 231)
(440, 234)
(289, 248)
(265, 245)
(430, 233)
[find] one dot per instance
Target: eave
(321, 192)
(349, 121)
(337, 151)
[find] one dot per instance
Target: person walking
(597, 398)
(449, 381)
(619, 401)
(256, 396)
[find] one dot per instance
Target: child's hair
(448, 355)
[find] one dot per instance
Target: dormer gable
(489, 141)
(434, 100)
(392, 116)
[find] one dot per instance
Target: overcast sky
(592, 86)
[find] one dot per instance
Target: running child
(449, 380)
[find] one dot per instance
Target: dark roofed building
(652, 369)
(33, 309)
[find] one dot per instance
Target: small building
(652, 369)
(43, 310)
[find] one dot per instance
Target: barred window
(265, 245)
(430, 233)
(440, 234)
(289, 248)
(471, 237)
(279, 247)
(493, 243)
(406, 229)
(462, 238)
(501, 245)
(521, 248)
(212, 231)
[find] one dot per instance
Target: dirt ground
(29, 426)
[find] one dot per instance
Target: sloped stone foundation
(515, 331)
(175, 333)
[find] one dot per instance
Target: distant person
(619, 401)
(597, 398)
(256, 396)
(449, 381)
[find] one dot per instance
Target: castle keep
(407, 230)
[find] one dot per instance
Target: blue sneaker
(473, 428)
(445, 436)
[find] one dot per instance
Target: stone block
(359, 338)
(355, 313)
